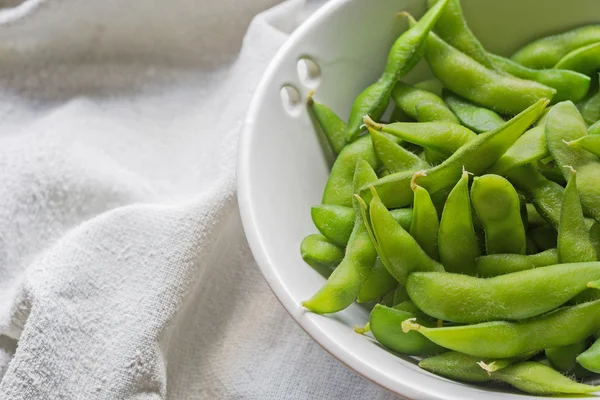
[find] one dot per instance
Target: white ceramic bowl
(282, 168)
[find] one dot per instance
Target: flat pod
(410, 98)
(332, 126)
(518, 295)
(501, 264)
(394, 157)
(585, 60)
(528, 148)
(321, 254)
(478, 119)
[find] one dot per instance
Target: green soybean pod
(378, 283)
(425, 223)
(457, 240)
(466, 77)
(442, 137)
(564, 359)
(585, 60)
(501, 339)
(385, 324)
(475, 156)
(431, 85)
(564, 124)
(590, 109)
(590, 143)
(536, 378)
(452, 27)
(547, 51)
(518, 295)
(398, 250)
(594, 129)
(461, 367)
(478, 119)
(574, 242)
(408, 98)
(497, 204)
(569, 85)
(394, 157)
(590, 358)
(332, 126)
(501, 264)
(344, 284)
(528, 148)
(321, 254)
(406, 51)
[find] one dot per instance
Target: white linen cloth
(124, 271)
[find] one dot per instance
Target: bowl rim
(416, 389)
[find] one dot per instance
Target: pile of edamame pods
(468, 220)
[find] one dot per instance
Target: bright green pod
(497, 205)
(425, 223)
(518, 295)
(385, 324)
(431, 85)
(594, 129)
(343, 286)
(336, 222)
(565, 124)
(590, 358)
(406, 51)
(378, 283)
(564, 359)
(332, 126)
(321, 254)
(502, 339)
(457, 240)
(547, 51)
(452, 27)
(442, 137)
(585, 60)
(538, 379)
(569, 85)
(494, 90)
(394, 157)
(528, 148)
(590, 109)
(574, 242)
(431, 107)
(589, 143)
(478, 119)
(399, 251)
(545, 195)
(501, 264)
(476, 156)
(338, 189)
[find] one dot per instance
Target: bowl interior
(283, 169)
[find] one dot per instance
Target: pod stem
(573, 172)
(364, 329)
(372, 124)
(413, 181)
(594, 284)
(489, 368)
(309, 99)
(410, 325)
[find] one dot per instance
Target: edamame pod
(594, 129)
(462, 367)
(497, 204)
(431, 85)
(385, 324)
(590, 109)
(398, 250)
(336, 222)
(473, 81)
(569, 85)
(589, 143)
(443, 137)
(574, 243)
(565, 124)
(431, 107)
(547, 51)
(501, 264)
(378, 283)
(394, 157)
(529, 147)
(425, 223)
(343, 286)
(458, 246)
(321, 254)
(590, 359)
(501, 339)
(514, 296)
(476, 156)
(564, 359)
(332, 126)
(585, 60)
(478, 119)
(338, 189)
(452, 27)
(403, 56)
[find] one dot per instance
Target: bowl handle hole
(309, 72)
(291, 100)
